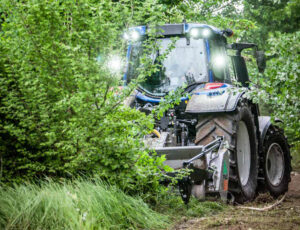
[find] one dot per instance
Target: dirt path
(284, 216)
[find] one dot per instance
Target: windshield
(185, 64)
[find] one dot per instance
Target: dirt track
(284, 216)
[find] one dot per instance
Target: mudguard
(264, 125)
(223, 99)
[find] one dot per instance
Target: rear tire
(276, 162)
(238, 128)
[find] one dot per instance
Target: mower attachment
(209, 165)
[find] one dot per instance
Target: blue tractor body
(214, 131)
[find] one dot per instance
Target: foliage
(278, 16)
(82, 204)
(281, 81)
(61, 110)
(296, 157)
(173, 98)
(278, 87)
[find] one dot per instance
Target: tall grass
(77, 205)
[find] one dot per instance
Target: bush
(61, 110)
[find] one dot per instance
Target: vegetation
(89, 204)
(80, 204)
(62, 112)
(279, 87)
(173, 206)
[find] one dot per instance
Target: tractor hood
(210, 98)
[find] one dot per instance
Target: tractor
(231, 151)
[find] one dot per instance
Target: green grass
(295, 152)
(84, 204)
(173, 206)
(77, 205)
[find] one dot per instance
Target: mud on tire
(228, 125)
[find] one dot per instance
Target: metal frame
(216, 168)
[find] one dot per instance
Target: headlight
(194, 32)
(200, 32)
(206, 33)
(132, 35)
(219, 61)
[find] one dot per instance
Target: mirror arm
(239, 47)
(259, 55)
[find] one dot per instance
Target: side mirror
(260, 60)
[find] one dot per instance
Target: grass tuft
(85, 204)
(81, 204)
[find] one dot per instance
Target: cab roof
(177, 29)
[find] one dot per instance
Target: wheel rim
(243, 153)
(275, 164)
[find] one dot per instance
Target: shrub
(61, 110)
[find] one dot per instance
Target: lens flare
(126, 36)
(115, 64)
(135, 35)
(219, 61)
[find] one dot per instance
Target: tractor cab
(198, 56)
